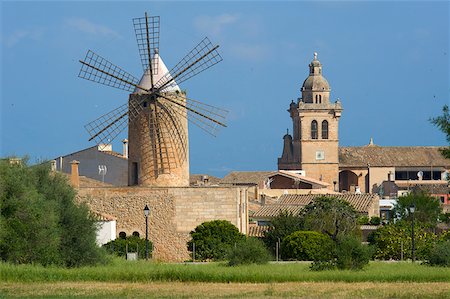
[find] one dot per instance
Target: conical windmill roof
(162, 72)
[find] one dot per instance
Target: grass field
(149, 279)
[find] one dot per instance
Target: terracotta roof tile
(257, 230)
(295, 202)
(246, 177)
(384, 156)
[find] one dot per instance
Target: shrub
(351, 253)
(439, 254)
(249, 251)
(214, 239)
(323, 265)
(135, 244)
(375, 220)
(307, 246)
(363, 220)
(281, 226)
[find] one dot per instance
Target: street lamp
(412, 209)
(146, 213)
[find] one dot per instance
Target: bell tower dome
(315, 88)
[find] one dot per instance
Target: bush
(351, 254)
(135, 244)
(440, 254)
(214, 239)
(362, 220)
(323, 265)
(281, 226)
(249, 251)
(375, 220)
(307, 246)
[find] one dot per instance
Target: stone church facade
(313, 149)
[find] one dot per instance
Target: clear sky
(388, 63)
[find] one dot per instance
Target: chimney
(125, 148)
(74, 176)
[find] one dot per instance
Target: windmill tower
(157, 111)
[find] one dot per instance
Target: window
(136, 234)
(123, 235)
(317, 98)
(324, 129)
(314, 131)
(320, 99)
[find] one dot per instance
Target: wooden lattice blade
(207, 117)
(202, 57)
(147, 31)
(97, 69)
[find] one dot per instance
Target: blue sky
(388, 63)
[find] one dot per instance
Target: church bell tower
(314, 144)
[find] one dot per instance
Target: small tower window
(314, 133)
(320, 99)
(324, 129)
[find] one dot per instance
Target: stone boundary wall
(174, 212)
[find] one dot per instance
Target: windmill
(157, 111)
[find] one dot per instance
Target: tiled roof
(269, 211)
(102, 216)
(196, 178)
(257, 230)
(301, 178)
(433, 188)
(295, 202)
(246, 177)
(384, 156)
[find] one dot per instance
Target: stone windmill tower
(157, 111)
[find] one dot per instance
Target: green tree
(281, 226)
(394, 241)
(331, 216)
(427, 209)
(214, 239)
(308, 246)
(41, 222)
(443, 123)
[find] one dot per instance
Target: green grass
(141, 271)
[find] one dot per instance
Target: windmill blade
(97, 69)
(206, 117)
(108, 126)
(147, 38)
(202, 57)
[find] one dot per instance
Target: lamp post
(412, 209)
(146, 213)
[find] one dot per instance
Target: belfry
(314, 145)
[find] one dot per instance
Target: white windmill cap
(162, 71)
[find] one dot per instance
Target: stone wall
(174, 212)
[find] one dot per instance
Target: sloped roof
(269, 211)
(301, 178)
(294, 203)
(257, 230)
(246, 177)
(433, 188)
(102, 216)
(386, 156)
(194, 178)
